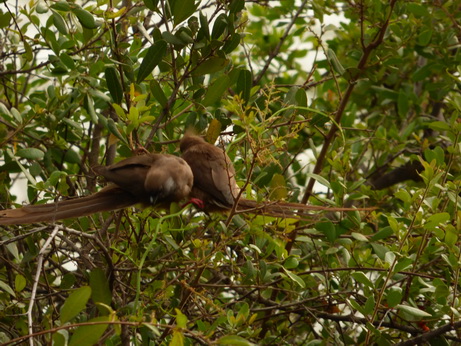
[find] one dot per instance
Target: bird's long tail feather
(110, 198)
(287, 209)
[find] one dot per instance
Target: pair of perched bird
(204, 174)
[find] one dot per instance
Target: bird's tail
(109, 198)
(287, 209)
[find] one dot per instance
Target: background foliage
(374, 91)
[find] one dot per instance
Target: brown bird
(215, 185)
(214, 173)
(151, 179)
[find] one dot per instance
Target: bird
(214, 173)
(215, 187)
(149, 179)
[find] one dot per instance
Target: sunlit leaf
(216, 91)
(30, 153)
(7, 288)
(234, 340)
(75, 303)
(85, 18)
(59, 23)
(413, 311)
(335, 62)
(181, 319)
(89, 334)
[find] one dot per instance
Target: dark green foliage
(345, 103)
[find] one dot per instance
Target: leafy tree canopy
(366, 106)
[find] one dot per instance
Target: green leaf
(328, 229)
(394, 296)
(153, 57)
(89, 334)
(28, 53)
(278, 187)
(89, 106)
(291, 262)
(436, 219)
(59, 23)
(335, 62)
(181, 319)
(212, 65)
(30, 153)
(54, 178)
(234, 340)
(151, 4)
(85, 18)
(369, 305)
(67, 60)
(424, 38)
(219, 26)
(359, 236)
(418, 10)
(183, 9)
(357, 306)
(5, 19)
(362, 278)
(59, 338)
(451, 235)
(440, 126)
(232, 43)
(295, 278)
(112, 127)
(41, 7)
(236, 6)
(172, 39)
(75, 303)
(403, 104)
(177, 338)
(379, 250)
(402, 264)
(244, 84)
(216, 91)
(72, 156)
(437, 154)
(213, 131)
(100, 291)
(403, 195)
(319, 179)
(113, 84)
(7, 288)
(301, 97)
(184, 36)
(204, 29)
(389, 258)
(158, 93)
(385, 92)
(61, 6)
(19, 282)
(413, 311)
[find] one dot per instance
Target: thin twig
(36, 280)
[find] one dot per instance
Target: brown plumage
(215, 185)
(151, 179)
(214, 173)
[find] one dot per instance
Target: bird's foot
(197, 202)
